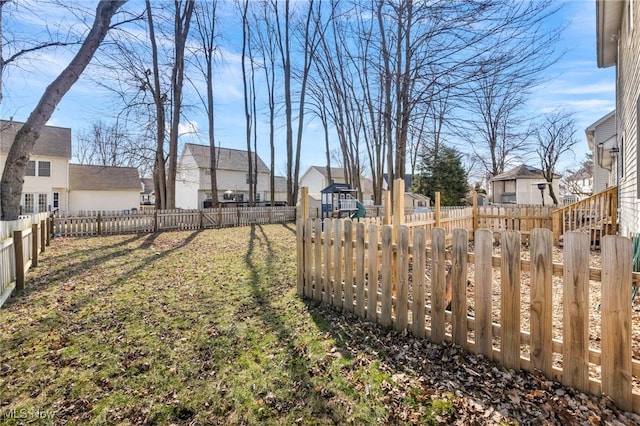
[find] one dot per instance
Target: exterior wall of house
(527, 192)
(103, 200)
(601, 176)
(627, 105)
(315, 181)
(46, 185)
(187, 183)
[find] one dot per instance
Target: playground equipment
(339, 200)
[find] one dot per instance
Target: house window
(31, 168)
(228, 195)
(42, 202)
(56, 200)
(258, 196)
(44, 168)
(28, 204)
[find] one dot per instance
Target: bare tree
(555, 137)
(20, 151)
(182, 23)
(205, 14)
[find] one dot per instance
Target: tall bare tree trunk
(182, 24)
(20, 151)
(247, 113)
(159, 166)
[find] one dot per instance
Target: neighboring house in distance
(520, 186)
(618, 44)
(103, 188)
(193, 186)
(45, 183)
(316, 179)
(602, 137)
(416, 200)
(147, 193)
(579, 184)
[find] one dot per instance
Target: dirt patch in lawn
(205, 327)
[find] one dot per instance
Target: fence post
(19, 256)
(437, 209)
(219, 215)
(201, 218)
(474, 225)
(237, 216)
(43, 234)
(155, 220)
(387, 208)
(34, 245)
(99, 224)
(304, 202)
(50, 229)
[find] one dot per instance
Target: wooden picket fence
(20, 243)
(91, 223)
(383, 275)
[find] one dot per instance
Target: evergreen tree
(442, 171)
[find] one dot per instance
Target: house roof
(228, 159)
(338, 172)
(103, 178)
(591, 130)
(53, 141)
(608, 21)
(522, 172)
(408, 181)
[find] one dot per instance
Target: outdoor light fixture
(541, 186)
(613, 152)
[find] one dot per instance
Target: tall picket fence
(20, 243)
(93, 223)
(396, 277)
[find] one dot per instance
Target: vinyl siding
(628, 91)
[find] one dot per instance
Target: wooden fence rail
(359, 268)
(91, 223)
(21, 241)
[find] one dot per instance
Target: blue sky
(574, 84)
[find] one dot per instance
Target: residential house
(316, 179)
(602, 137)
(45, 184)
(578, 184)
(103, 188)
(193, 186)
(53, 183)
(618, 44)
(147, 193)
(520, 186)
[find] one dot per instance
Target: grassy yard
(198, 327)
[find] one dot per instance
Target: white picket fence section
(20, 242)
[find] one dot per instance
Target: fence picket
(483, 292)
(459, 249)
(387, 276)
(437, 285)
(348, 266)
(541, 241)
(616, 321)
(317, 249)
(402, 277)
(372, 276)
(327, 284)
(575, 349)
(418, 289)
(337, 262)
(510, 299)
(360, 270)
